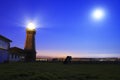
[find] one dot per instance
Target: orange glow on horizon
(63, 54)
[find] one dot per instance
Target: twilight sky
(65, 26)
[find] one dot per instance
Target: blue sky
(65, 26)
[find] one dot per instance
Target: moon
(98, 14)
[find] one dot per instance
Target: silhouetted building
(42, 59)
(30, 46)
(4, 46)
(55, 60)
(67, 60)
(16, 54)
(96, 59)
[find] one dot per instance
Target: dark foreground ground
(59, 71)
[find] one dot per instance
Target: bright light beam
(31, 26)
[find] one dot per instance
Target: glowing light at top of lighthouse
(31, 26)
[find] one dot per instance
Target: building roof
(4, 38)
(16, 50)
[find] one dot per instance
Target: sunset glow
(80, 28)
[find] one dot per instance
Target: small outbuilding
(16, 54)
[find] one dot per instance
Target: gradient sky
(65, 26)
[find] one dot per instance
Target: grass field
(59, 71)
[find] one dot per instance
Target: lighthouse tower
(30, 43)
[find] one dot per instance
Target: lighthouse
(29, 48)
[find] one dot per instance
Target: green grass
(59, 71)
